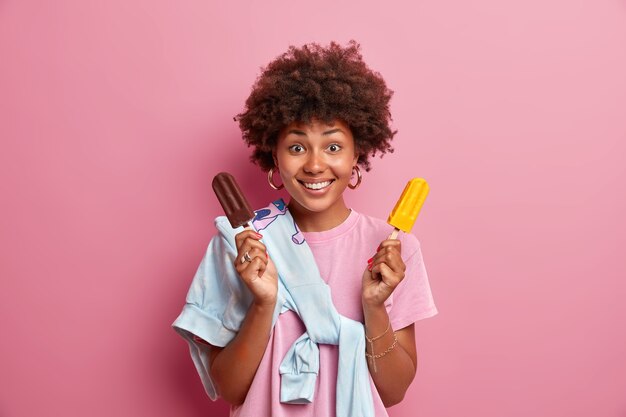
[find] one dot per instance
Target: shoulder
(379, 227)
(372, 222)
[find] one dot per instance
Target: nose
(314, 163)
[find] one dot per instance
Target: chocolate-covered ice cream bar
(235, 205)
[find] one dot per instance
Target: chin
(314, 205)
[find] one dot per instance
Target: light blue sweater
(218, 301)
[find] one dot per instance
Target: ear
(274, 158)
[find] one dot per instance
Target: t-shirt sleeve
(412, 299)
(215, 306)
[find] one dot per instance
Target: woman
(314, 116)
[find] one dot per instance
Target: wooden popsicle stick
(248, 226)
(394, 234)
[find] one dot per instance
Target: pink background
(114, 116)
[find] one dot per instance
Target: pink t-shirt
(341, 255)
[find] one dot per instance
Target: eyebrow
(301, 133)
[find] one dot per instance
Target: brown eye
(296, 148)
(334, 147)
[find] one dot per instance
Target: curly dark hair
(313, 82)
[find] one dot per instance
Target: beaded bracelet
(372, 356)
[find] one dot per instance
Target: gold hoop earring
(270, 179)
(358, 178)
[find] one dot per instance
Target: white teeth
(317, 185)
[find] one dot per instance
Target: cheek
(285, 165)
(343, 168)
(281, 161)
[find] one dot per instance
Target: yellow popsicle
(407, 208)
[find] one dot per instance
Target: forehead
(317, 126)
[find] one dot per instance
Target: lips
(316, 185)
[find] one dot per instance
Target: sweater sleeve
(215, 307)
(412, 299)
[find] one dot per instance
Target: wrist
(372, 304)
(375, 315)
(264, 305)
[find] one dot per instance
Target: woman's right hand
(259, 274)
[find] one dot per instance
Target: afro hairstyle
(321, 83)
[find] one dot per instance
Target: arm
(395, 370)
(233, 367)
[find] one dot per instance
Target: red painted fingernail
(258, 234)
(267, 255)
(370, 260)
(378, 248)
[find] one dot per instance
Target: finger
(390, 243)
(248, 246)
(388, 276)
(251, 243)
(253, 253)
(242, 236)
(394, 260)
(389, 255)
(254, 269)
(251, 269)
(259, 253)
(263, 267)
(258, 250)
(387, 245)
(378, 275)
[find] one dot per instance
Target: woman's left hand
(384, 272)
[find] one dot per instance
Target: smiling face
(315, 162)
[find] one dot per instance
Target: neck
(318, 221)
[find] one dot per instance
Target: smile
(316, 185)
